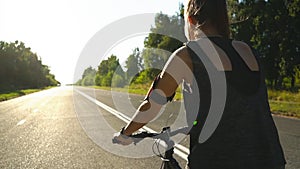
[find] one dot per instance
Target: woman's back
(246, 136)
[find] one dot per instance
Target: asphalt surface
(59, 128)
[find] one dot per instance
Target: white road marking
(180, 150)
(21, 122)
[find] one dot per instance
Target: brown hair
(214, 11)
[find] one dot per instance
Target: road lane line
(21, 122)
(179, 150)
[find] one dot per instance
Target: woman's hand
(122, 139)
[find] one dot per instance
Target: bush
(98, 80)
(88, 81)
(117, 81)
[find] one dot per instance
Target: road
(59, 128)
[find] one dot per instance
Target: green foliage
(293, 7)
(10, 95)
(107, 70)
(88, 81)
(79, 82)
(17, 93)
(168, 32)
(106, 80)
(89, 72)
(155, 58)
(20, 68)
(272, 28)
(117, 81)
(166, 36)
(142, 78)
(88, 77)
(285, 108)
(109, 73)
(98, 80)
(287, 96)
(134, 64)
(285, 102)
(145, 76)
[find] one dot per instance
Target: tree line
(20, 68)
(271, 27)
(141, 66)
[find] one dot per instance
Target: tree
(109, 69)
(270, 26)
(20, 68)
(167, 35)
(134, 64)
(89, 72)
(88, 77)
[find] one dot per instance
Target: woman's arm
(176, 69)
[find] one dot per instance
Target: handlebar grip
(135, 141)
(115, 141)
(144, 134)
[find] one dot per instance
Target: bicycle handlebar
(165, 134)
(169, 162)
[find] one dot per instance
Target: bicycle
(168, 161)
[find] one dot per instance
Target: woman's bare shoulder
(179, 65)
(241, 45)
(183, 54)
(245, 51)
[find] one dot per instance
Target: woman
(245, 136)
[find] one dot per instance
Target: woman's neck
(209, 30)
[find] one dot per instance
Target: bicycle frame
(169, 162)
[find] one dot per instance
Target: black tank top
(246, 136)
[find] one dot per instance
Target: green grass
(281, 102)
(17, 93)
(285, 103)
(140, 89)
(285, 109)
(286, 96)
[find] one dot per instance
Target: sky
(58, 30)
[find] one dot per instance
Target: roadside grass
(285, 108)
(140, 89)
(17, 93)
(283, 103)
(286, 96)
